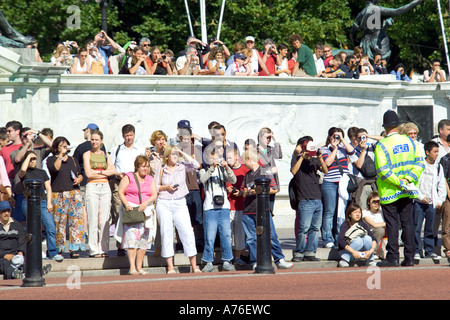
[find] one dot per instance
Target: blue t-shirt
(105, 52)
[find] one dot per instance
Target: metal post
(189, 18)
(443, 35)
(263, 243)
(220, 20)
(33, 257)
(104, 9)
(203, 21)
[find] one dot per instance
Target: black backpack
(368, 169)
(292, 194)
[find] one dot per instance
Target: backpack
(292, 194)
(368, 169)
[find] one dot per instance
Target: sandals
(134, 272)
(171, 272)
(196, 270)
(74, 255)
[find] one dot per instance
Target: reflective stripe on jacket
(396, 157)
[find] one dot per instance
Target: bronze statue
(10, 37)
(372, 22)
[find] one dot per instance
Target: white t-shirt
(376, 217)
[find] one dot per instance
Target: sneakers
(343, 264)
(240, 262)
(329, 245)
(46, 269)
(282, 264)
(310, 258)
(434, 256)
(208, 267)
(18, 274)
(57, 258)
(228, 266)
(417, 256)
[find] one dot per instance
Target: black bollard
(263, 243)
(33, 255)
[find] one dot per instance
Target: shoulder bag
(134, 216)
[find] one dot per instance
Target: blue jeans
(49, 225)
(424, 211)
(359, 244)
(310, 220)
(217, 219)
(330, 197)
(249, 226)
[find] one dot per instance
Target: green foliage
(415, 37)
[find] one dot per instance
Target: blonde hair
(408, 126)
(167, 152)
(262, 132)
(156, 135)
(251, 154)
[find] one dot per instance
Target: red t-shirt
(6, 154)
(270, 64)
(237, 203)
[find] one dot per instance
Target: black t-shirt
(249, 183)
(62, 179)
(35, 173)
(307, 180)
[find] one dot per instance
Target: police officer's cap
(390, 119)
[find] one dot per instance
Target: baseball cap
(184, 124)
(250, 38)
(5, 205)
(310, 148)
(91, 126)
(239, 56)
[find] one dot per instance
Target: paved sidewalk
(114, 265)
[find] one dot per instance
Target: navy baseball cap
(239, 56)
(5, 205)
(184, 124)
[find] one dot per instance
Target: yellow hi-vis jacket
(397, 157)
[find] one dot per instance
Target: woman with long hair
(334, 153)
(355, 238)
(171, 208)
(67, 201)
(98, 166)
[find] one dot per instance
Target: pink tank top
(132, 192)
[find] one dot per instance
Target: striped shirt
(334, 175)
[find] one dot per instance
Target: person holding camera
(136, 63)
(270, 58)
(217, 209)
(350, 68)
(305, 163)
(159, 63)
(188, 64)
(334, 153)
(171, 207)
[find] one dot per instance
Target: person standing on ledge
(399, 164)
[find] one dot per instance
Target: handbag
(352, 179)
(134, 216)
(355, 231)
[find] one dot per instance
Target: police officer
(399, 165)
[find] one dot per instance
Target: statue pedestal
(27, 55)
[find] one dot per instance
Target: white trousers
(172, 213)
(98, 207)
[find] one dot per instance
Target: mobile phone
(175, 186)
